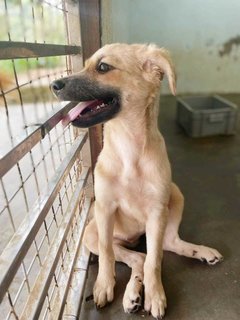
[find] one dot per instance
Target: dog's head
(115, 79)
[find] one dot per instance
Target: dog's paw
(103, 291)
(132, 299)
(209, 255)
(155, 301)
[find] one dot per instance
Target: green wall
(202, 35)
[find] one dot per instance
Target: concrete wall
(203, 36)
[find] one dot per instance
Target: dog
(134, 192)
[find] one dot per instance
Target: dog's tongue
(74, 113)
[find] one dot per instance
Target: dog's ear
(158, 63)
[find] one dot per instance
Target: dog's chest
(134, 193)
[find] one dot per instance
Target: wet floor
(208, 172)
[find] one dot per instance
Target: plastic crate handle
(216, 117)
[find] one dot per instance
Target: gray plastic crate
(202, 116)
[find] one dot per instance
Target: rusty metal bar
(96, 142)
(20, 50)
(91, 41)
(59, 303)
(28, 140)
(18, 246)
(90, 26)
(39, 292)
(73, 24)
(76, 292)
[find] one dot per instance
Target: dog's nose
(57, 85)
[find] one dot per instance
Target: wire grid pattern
(25, 99)
(24, 182)
(26, 277)
(27, 80)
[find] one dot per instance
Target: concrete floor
(208, 172)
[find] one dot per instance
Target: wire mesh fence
(45, 179)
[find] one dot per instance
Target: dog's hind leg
(172, 241)
(132, 299)
(133, 294)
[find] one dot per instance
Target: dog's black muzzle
(104, 101)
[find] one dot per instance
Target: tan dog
(133, 187)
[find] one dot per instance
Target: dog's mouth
(92, 112)
(95, 103)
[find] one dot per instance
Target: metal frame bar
(18, 246)
(76, 292)
(38, 294)
(28, 140)
(59, 303)
(91, 41)
(20, 50)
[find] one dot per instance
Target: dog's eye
(104, 67)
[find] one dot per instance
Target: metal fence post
(90, 20)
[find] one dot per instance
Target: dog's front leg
(104, 285)
(155, 299)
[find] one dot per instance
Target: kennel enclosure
(46, 184)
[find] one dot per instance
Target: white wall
(195, 31)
